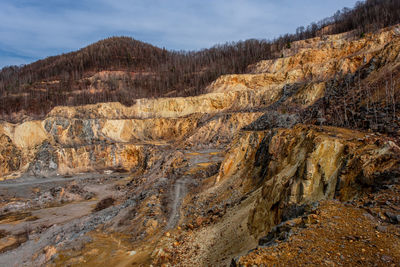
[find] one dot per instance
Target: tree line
(156, 72)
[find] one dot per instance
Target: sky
(35, 29)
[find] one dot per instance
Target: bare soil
(358, 233)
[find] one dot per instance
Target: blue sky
(35, 29)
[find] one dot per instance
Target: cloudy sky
(34, 29)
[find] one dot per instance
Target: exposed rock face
(9, 156)
(28, 134)
(173, 107)
(315, 59)
(72, 146)
(220, 129)
(60, 145)
(88, 158)
(46, 160)
(304, 165)
(91, 131)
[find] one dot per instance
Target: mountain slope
(123, 69)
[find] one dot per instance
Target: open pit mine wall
(211, 103)
(303, 165)
(317, 59)
(53, 147)
(67, 146)
(74, 138)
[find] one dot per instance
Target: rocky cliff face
(59, 145)
(197, 162)
(304, 165)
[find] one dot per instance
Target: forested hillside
(123, 69)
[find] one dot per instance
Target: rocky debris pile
(303, 216)
(364, 231)
(383, 203)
